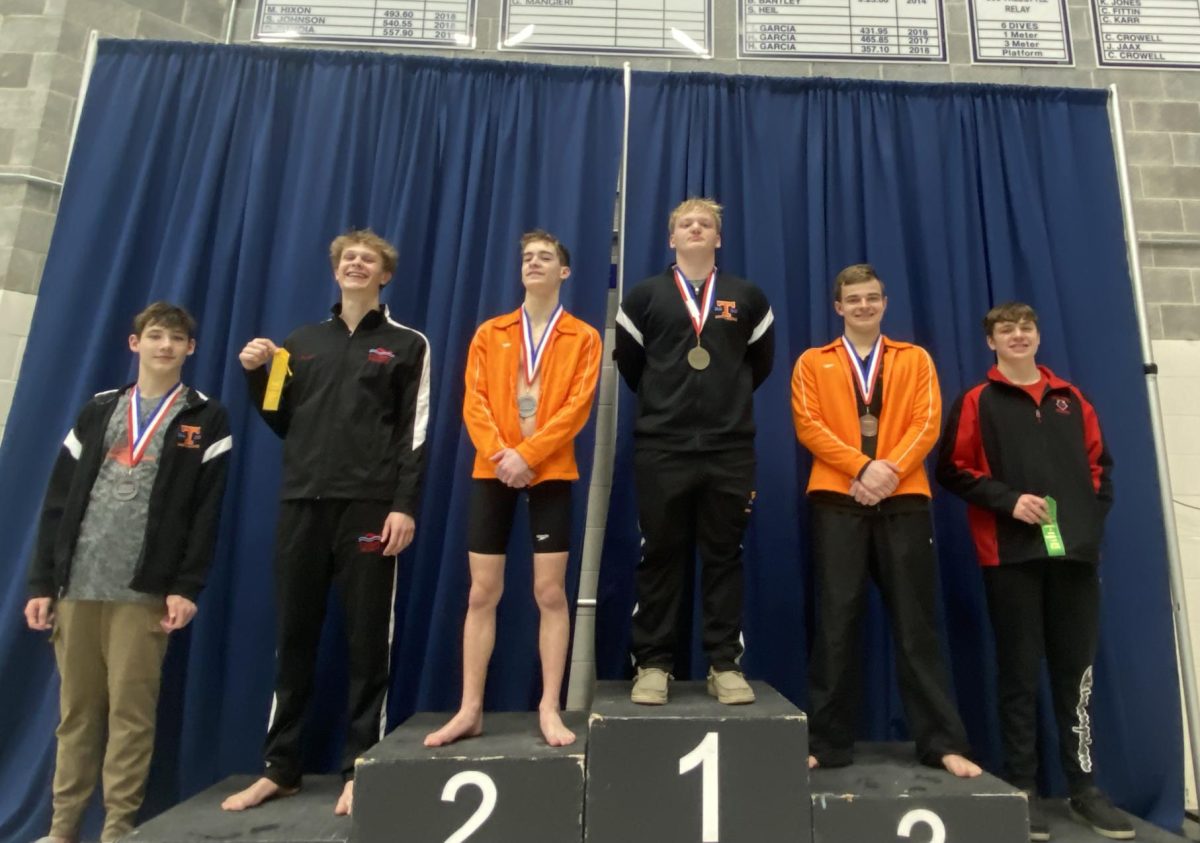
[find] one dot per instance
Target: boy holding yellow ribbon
(353, 415)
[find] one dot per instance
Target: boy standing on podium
(353, 417)
(531, 376)
(868, 408)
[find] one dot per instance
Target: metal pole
(584, 684)
(1183, 640)
(229, 21)
(89, 64)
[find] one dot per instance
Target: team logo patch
(370, 543)
(1062, 405)
(188, 436)
(726, 310)
(380, 355)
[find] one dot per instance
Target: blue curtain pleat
(962, 197)
(216, 177)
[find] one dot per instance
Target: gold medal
(699, 358)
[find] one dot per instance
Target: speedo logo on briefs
(370, 543)
(380, 355)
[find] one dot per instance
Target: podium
(506, 785)
(696, 771)
(887, 795)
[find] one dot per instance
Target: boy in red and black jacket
(1024, 450)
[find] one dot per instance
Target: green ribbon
(1051, 534)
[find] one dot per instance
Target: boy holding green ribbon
(1024, 449)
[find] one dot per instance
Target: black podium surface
(306, 817)
(887, 795)
(696, 771)
(506, 785)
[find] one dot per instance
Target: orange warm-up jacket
(568, 376)
(825, 412)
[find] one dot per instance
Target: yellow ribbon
(279, 373)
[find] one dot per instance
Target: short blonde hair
(694, 203)
(364, 237)
(855, 273)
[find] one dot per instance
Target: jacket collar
(1054, 381)
(508, 320)
(888, 342)
(371, 319)
(192, 397)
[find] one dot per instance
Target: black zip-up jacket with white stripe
(999, 444)
(680, 408)
(354, 413)
(185, 502)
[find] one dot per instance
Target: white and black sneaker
(1092, 808)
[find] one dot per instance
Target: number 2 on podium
(487, 789)
(706, 756)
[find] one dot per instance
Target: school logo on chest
(1062, 406)
(380, 355)
(724, 309)
(188, 436)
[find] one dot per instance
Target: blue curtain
(962, 197)
(216, 177)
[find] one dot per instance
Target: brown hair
(694, 203)
(1013, 311)
(364, 237)
(543, 236)
(166, 315)
(855, 273)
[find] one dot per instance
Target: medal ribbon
(139, 439)
(533, 354)
(867, 379)
(698, 314)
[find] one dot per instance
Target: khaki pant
(110, 658)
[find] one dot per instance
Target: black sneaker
(1039, 826)
(1091, 807)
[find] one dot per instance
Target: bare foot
(962, 767)
(261, 791)
(813, 763)
(553, 729)
(345, 803)
(465, 724)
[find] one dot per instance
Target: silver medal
(869, 425)
(527, 406)
(125, 489)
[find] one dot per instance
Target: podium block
(696, 771)
(306, 817)
(504, 786)
(887, 795)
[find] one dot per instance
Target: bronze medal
(869, 425)
(699, 358)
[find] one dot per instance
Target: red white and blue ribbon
(535, 352)
(139, 439)
(698, 313)
(866, 373)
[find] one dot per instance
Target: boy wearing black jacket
(1024, 449)
(124, 545)
(353, 416)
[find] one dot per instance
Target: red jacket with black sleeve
(998, 444)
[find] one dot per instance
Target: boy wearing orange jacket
(868, 408)
(531, 376)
